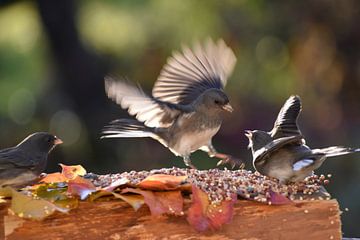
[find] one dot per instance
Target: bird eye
(49, 140)
(217, 102)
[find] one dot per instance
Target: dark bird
(187, 104)
(23, 163)
(282, 153)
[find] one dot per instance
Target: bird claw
(228, 159)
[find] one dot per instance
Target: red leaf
(169, 202)
(80, 187)
(277, 199)
(54, 178)
(162, 182)
(203, 216)
(71, 172)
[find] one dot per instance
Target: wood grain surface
(116, 220)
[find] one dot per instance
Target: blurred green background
(54, 55)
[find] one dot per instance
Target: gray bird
(282, 153)
(23, 163)
(187, 104)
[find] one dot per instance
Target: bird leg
(225, 158)
(187, 162)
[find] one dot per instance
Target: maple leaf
(203, 216)
(277, 199)
(71, 172)
(28, 207)
(169, 202)
(80, 187)
(162, 182)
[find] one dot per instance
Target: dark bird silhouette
(187, 104)
(282, 153)
(23, 163)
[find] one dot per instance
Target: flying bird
(187, 104)
(282, 153)
(23, 163)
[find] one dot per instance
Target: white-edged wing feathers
(188, 74)
(150, 111)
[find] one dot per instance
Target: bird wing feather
(151, 111)
(188, 74)
(14, 157)
(275, 145)
(286, 122)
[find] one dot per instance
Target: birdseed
(223, 184)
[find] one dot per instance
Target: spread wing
(150, 111)
(188, 74)
(286, 122)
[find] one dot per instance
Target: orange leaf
(54, 178)
(203, 216)
(162, 182)
(169, 202)
(80, 187)
(71, 172)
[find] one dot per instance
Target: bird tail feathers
(126, 128)
(336, 151)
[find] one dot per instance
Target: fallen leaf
(80, 187)
(68, 203)
(54, 178)
(169, 202)
(204, 216)
(5, 192)
(161, 182)
(277, 199)
(71, 172)
(115, 184)
(98, 194)
(50, 192)
(135, 200)
(27, 207)
(11, 223)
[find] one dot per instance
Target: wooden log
(117, 220)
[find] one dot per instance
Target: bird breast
(192, 141)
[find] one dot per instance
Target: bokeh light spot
(66, 124)
(21, 106)
(272, 53)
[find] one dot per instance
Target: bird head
(257, 139)
(41, 141)
(214, 100)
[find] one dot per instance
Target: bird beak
(227, 107)
(248, 134)
(57, 141)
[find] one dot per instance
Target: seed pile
(222, 184)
